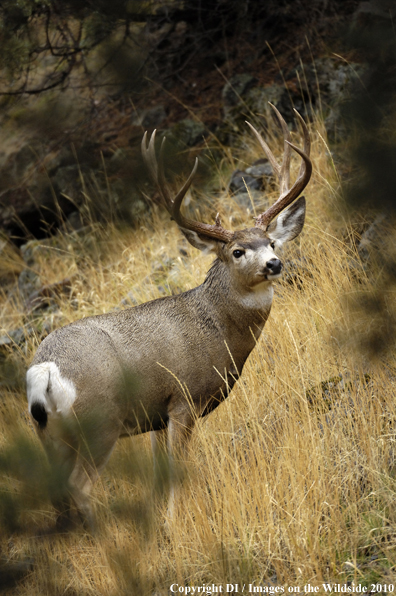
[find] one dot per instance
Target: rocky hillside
(195, 85)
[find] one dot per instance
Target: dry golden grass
(283, 484)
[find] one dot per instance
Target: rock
(45, 295)
(12, 572)
(65, 156)
(150, 117)
(51, 322)
(129, 300)
(258, 99)
(41, 328)
(326, 78)
(261, 169)
(79, 242)
(162, 290)
(75, 221)
(324, 85)
(285, 99)
(357, 269)
(120, 158)
(373, 238)
(35, 250)
(255, 102)
(29, 178)
(16, 337)
(20, 165)
(137, 208)
(255, 177)
(21, 210)
(5, 341)
(187, 132)
(376, 9)
(28, 282)
(327, 84)
(67, 181)
(241, 181)
(327, 393)
(246, 200)
(235, 89)
(27, 201)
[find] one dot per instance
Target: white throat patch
(259, 297)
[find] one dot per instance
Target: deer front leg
(159, 440)
(179, 432)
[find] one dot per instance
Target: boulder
(150, 117)
(234, 90)
(186, 132)
(41, 186)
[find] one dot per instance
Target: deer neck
(244, 310)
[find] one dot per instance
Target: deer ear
(289, 223)
(204, 243)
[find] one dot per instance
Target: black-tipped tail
(39, 414)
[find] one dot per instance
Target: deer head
(250, 253)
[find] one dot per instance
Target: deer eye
(272, 245)
(238, 253)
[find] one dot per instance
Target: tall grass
(290, 481)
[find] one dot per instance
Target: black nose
(274, 265)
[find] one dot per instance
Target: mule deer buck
(125, 371)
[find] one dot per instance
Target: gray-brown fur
(189, 336)
(158, 365)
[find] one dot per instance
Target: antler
(287, 195)
(156, 170)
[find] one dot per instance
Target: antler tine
(288, 196)
(162, 184)
(284, 177)
(283, 171)
(267, 150)
(304, 174)
(145, 154)
(177, 201)
(156, 169)
(307, 140)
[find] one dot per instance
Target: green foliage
(42, 43)
(14, 47)
(371, 115)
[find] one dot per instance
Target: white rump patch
(45, 385)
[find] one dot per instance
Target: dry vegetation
(286, 484)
